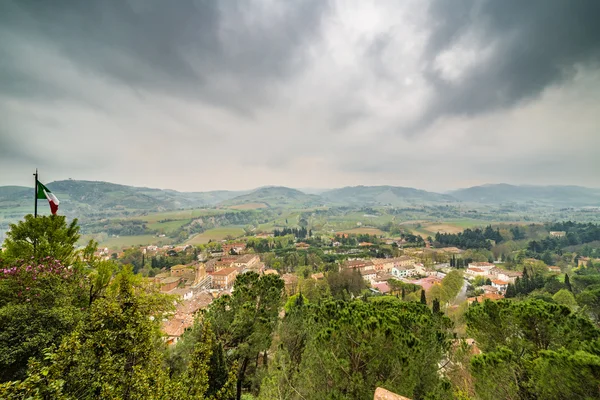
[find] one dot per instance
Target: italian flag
(44, 193)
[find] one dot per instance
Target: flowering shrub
(27, 281)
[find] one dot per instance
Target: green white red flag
(44, 193)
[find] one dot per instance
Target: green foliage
(116, 352)
(245, 321)
(39, 304)
(345, 283)
(566, 298)
(38, 238)
(353, 347)
(516, 350)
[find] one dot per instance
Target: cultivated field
(369, 231)
(249, 206)
(215, 234)
(117, 243)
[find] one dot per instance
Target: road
(462, 295)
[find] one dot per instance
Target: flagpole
(35, 193)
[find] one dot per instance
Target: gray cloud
(227, 53)
(199, 95)
(520, 49)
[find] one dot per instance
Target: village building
(318, 276)
(382, 287)
(485, 296)
(224, 278)
(368, 275)
(474, 271)
(554, 269)
(238, 248)
(361, 265)
(486, 266)
(176, 326)
(291, 283)
(403, 272)
(500, 285)
(170, 283)
(489, 289)
(270, 272)
(183, 293)
(506, 275)
(428, 282)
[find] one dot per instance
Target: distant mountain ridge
(384, 195)
(82, 197)
(558, 196)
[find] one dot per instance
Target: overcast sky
(200, 95)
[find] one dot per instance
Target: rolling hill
(383, 195)
(275, 196)
(558, 196)
(84, 197)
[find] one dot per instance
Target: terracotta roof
(512, 274)
(499, 282)
(482, 264)
(383, 287)
(476, 269)
(486, 296)
(180, 291)
(368, 272)
(318, 275)
(200, 301)
(177, 325)
(180, 266)
(357, 263)
(225, 271)
(271, 272)
(170, 279)
(289, 279)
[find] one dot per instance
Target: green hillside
(383, 195)
(276, 196)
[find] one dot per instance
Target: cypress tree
(403, 294)
(568, 283)
(510, 291)
(436, 306)
(423, 298)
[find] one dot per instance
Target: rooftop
(171, 279)
(225, 271)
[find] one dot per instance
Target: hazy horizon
(199, 96)
(307, 190)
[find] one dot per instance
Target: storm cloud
(485, 54)
(199, 95)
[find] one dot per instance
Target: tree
(244, 322)
(117, 353)
(134, 257)
(423, 298)
(42, 237)
(566, 298)
(522, 334)
(436, 306)
(39, 305)
(568, 283)
(355, 346)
